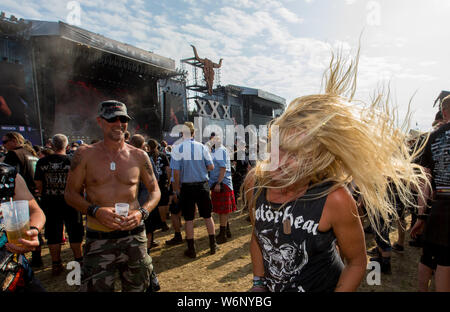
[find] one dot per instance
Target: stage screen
(173, 111)
(76, 108)
(17, 107)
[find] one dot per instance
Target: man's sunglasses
(122, 119)
(6, 141)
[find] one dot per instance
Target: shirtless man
(109, 172)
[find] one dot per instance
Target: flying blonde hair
(331, 137)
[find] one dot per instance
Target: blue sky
(282, 47)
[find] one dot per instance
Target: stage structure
(18, 108)
(77, 69)
(54, 75)
(222, 106)
(440, 97)
(73, 70)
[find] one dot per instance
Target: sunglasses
(6, 141)
(122, 119)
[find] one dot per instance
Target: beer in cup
(122, 209)
(16, 219)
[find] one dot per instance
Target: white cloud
(419, 77)
(255, 38)
(235, 22)
(241, 3)
(288, 15)
(427, 63)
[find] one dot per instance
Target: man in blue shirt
(190, 163)
(222, 193)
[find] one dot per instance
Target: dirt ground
(229, 270)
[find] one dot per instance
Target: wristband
(34, 228)
(259, 281)
(422, 217)
(92, 209)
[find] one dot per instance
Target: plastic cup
(16, 219)
(122, 209)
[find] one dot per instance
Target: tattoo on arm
(148, 167)
(76, 160)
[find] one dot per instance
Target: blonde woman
(302, 210)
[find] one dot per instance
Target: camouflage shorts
(103, 258)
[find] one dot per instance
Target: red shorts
(223, 202)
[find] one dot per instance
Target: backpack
(15, 271)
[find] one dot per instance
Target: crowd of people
(338, 166)
(70, 181)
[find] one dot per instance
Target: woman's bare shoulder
(340, 204)
(341, 195)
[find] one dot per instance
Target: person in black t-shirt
(50, 179)
(23, 157)
(163, 170)
(153, 222)
(436, 249)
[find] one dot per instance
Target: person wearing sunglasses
(109, 172)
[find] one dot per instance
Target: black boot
(80, 261)
(228, 230)
(57, 268)
(212, 244)
(190, 252)
(385, 264)
(164, 227)
(36, 259)
(176, 240)
(222, 237)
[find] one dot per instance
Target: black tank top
(7, 181)
(305, 259)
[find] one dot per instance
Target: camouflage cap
(111, 108)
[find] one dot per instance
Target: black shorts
(57, 214)
(195, 193)
(433, 255)
(437, 229)
(165, 193)
(153, 221)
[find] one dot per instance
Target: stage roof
(60, 29)
(261, 94)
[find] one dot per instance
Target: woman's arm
(255, 249)
(346, 224)
(37, 219)
(256, 256)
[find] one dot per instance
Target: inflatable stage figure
(208, 69)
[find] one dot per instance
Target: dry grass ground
(229, 270)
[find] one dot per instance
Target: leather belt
(114, 234)
(194, 183)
